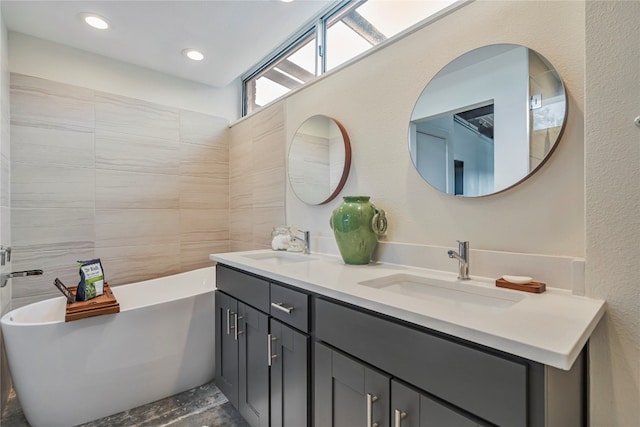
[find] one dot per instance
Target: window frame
(279, 54)
(318, 26)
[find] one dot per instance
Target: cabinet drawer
(290, 306)
(491, 387)
(249, 289)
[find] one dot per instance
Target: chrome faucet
(4, 277)
(305, 238)
(463, 259)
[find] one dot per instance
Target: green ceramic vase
(356, 225)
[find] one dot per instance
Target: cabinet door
(410, 408)
(491, 387)
(347, 392)
(289, 376)
(226, 347)
(253, 328)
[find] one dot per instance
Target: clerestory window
(349, 29)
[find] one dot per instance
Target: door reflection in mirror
(499, 109)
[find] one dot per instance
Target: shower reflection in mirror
(319, 160)
(487, 120)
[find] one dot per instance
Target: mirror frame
(345, 168)
(532, 171)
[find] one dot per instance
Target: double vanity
(310, 340)
(306, 340)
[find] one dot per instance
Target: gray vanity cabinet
(347, 392)
(242, 373)
(262, 362)
(370, 368)
(226, 347)
(351, 393)
(411, 408)
(289, 376)
(490, 387)
(253, 370)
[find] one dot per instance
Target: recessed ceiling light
(95, 21)
(196, 55)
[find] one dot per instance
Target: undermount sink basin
(279, 258)
(442, 290)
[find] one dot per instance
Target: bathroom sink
(438, 290)
(279, 258)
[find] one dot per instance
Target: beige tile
(44, 103)
(198, 225)
(241, 192)
(269, 189)
(135, 117)
(269, 151)
(134, 153)
(264, 219)
(56, 263)
(51, 186)
(21, 302)
(196, 254)
(241, 225)
(204, 161)
(203, 129)
(268, 121)
(137, 227)
(130, 190)
(5, 226)
(204, 193)
(241, 158)
(48, 146)
(131, 264)
(5, 136)
(34, 286)
(241, 131)
(5, 180)
(5, 304)
(245, 246)
(52, 229)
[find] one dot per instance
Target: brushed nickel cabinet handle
(398, 416)
(229, 327)
(370, 400)
(270, 340)
(280, 306)
(235, 327)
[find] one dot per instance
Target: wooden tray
(535, 287)
(104, 304)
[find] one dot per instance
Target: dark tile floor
(203, 406)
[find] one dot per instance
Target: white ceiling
(234, 35)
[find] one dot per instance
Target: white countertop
(549, 328)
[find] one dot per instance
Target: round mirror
(319, 160)
(487, 120)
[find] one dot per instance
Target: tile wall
(142, 186)
(5, 210)
(257, 181)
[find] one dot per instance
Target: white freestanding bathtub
(161, 343)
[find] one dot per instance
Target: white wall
(543, 215)
(40, 58)
(612, 188)
(592, 176)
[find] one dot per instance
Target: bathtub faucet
(6, 276)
